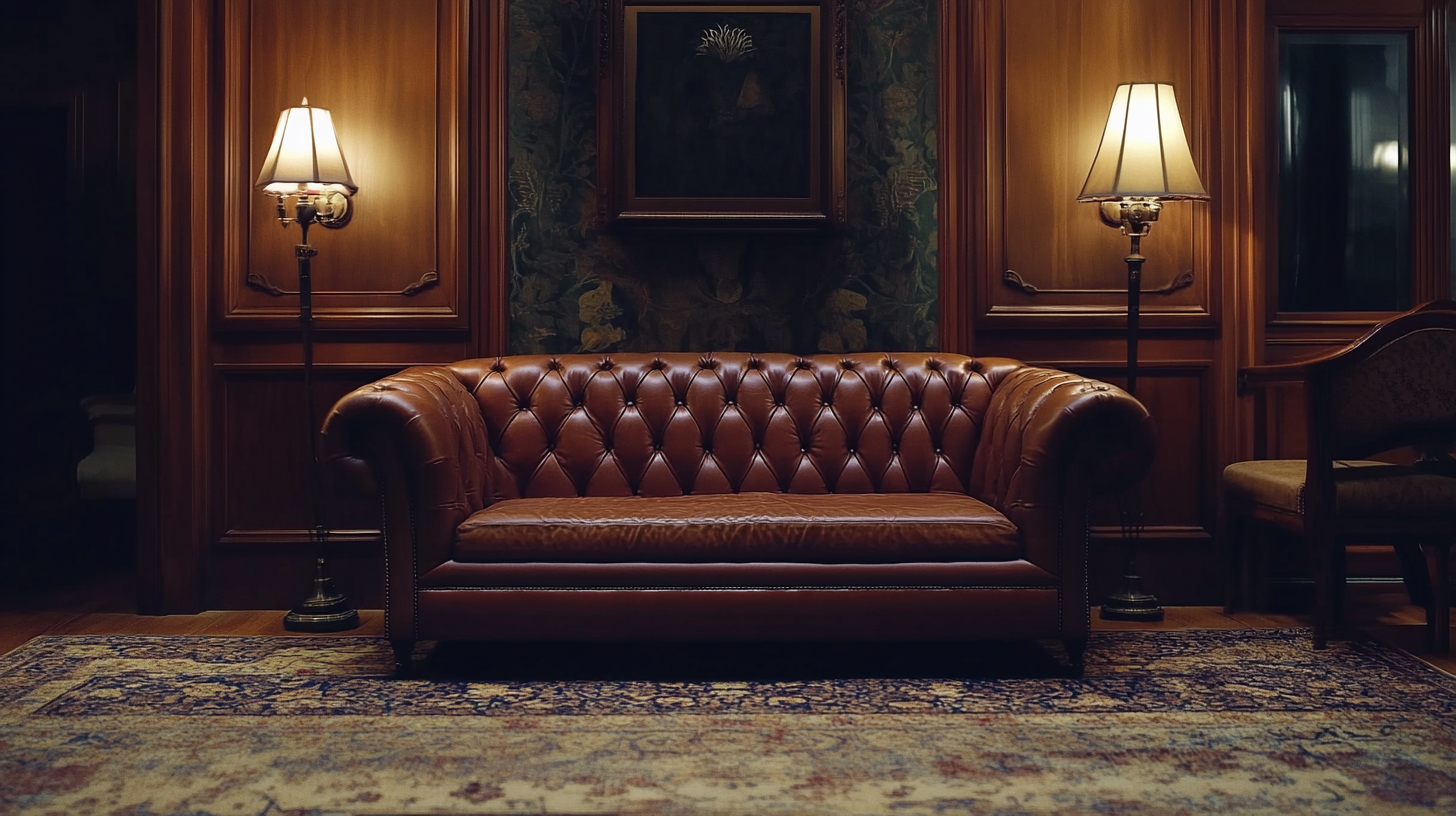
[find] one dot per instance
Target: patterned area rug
(1228, 722)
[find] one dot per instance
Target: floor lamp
(1143, 160)
(305, 163)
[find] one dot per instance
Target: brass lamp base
(325, 611)
(1132, 604)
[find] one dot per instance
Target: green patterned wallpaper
(872, 287)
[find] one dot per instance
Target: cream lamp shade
(1144, 153)
(305, 152)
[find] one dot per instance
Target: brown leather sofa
(733, 496)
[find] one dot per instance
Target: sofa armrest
(418, 441)
(1050, 441)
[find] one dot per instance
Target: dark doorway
(67, 153)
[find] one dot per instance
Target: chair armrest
(418, 441)
(1051, 440)
(1273, 375)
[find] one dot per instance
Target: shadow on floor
(689, 662)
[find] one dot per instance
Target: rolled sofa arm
(1050, 441)
(419, 437)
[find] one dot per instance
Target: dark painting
(723, 104)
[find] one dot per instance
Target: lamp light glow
(305, 155)
(1144, 152)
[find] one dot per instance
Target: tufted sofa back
(675, 424)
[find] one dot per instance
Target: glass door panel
(1344, 172)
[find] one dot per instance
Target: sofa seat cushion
(877, 528)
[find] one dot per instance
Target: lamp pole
(1131, 602)
(306, 163)
(326, 610)
(1142, 160)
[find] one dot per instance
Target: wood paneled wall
(224, 440)
(418, 91)
(393, 74)
(1049, 279)
(1060, 63)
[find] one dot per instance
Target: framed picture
(721, 115)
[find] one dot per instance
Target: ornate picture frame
(721, 116)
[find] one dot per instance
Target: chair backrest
(1396, 386)
(675, 424)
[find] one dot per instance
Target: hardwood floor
(106, 605)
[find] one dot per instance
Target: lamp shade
(1144, 153)
(305, 150)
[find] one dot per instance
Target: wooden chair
(1392, 388)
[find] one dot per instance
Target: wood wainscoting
(421, 275)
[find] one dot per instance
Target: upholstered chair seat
(1363, 488)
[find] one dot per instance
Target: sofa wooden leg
(1438, 612)
(1076, 654)
(403, 652)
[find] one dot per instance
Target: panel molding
(430, 290)
(261, 478)
(174, 222)
(300, 537)
(490, 241)
(960, 47)
(1012, 295)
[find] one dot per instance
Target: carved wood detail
(257, 280)
(1183, 280)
